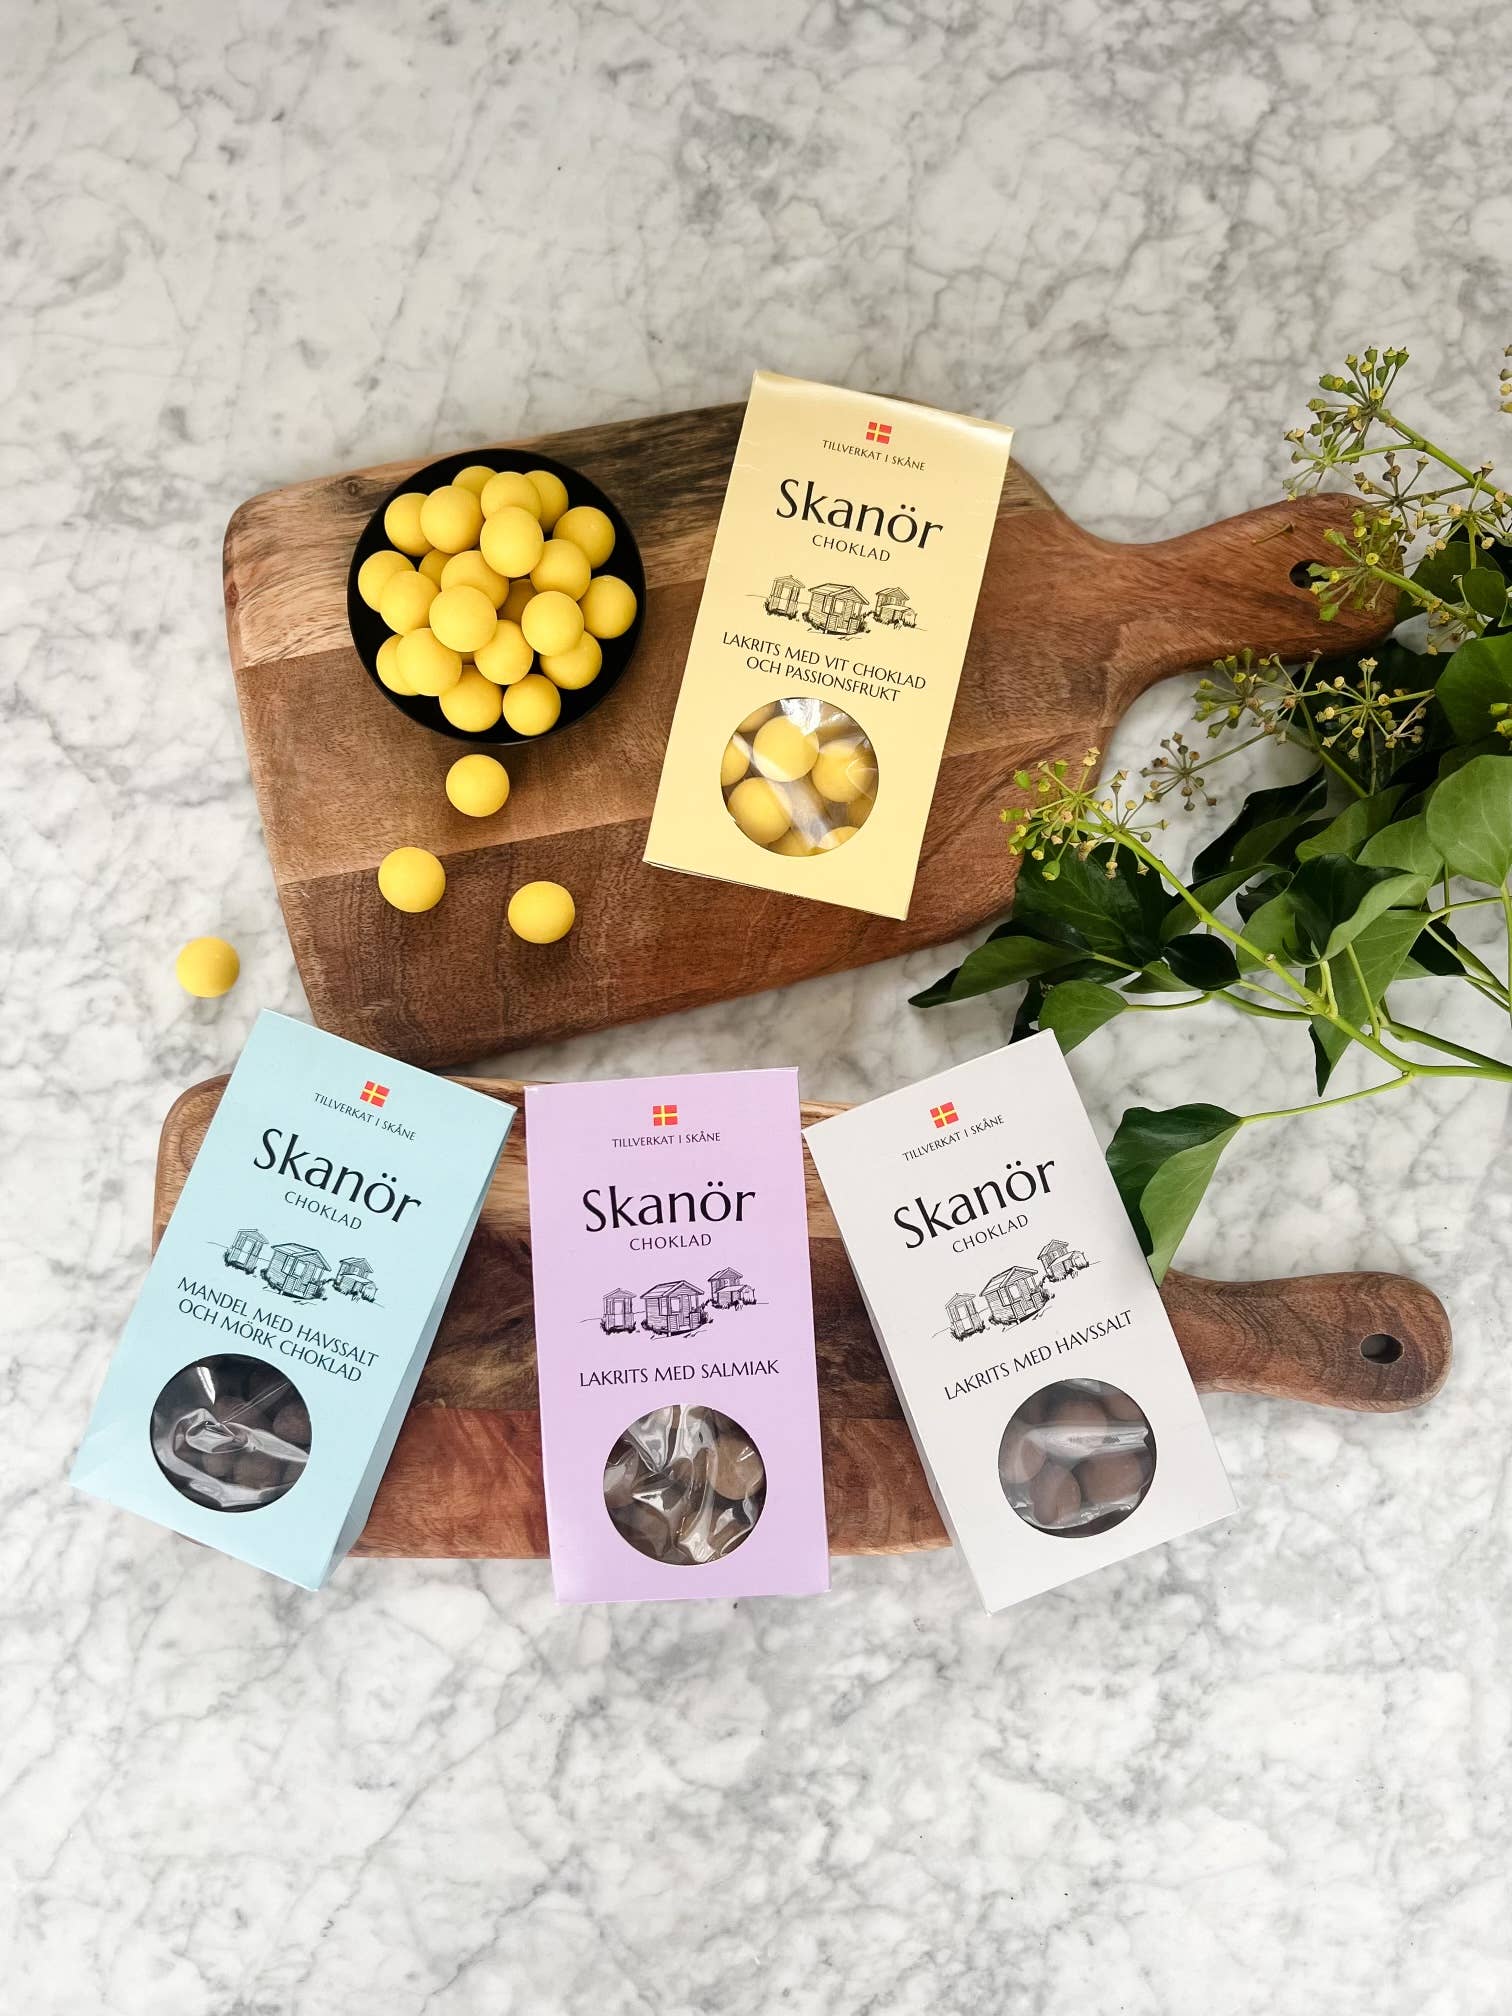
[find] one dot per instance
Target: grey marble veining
(1263, 1770)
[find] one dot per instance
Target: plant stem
(1341, 1099)
(1409, 1034)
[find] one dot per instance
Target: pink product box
(675, 1338)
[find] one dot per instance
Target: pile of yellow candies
(799, 776)
(490, 591)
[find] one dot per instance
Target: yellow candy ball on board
(473, 478)
(574, 669)
(562, 566)
(387, 667)
(520, 592)
(451, 518)
(781, 749)
(793, 843)
(471, 570)
(511, 541)
(541, 913)
(506, 656)
(378, 569)
(532, 705)
(609, 606)
(733, 765)
(207, 968)
(431, 565)
(426, 664)
(477, 785)
(411, 878)
(406, 599)
(846, 770)
(586, 526)
(472, 703)
(510, 487)
(552, 623)
(836, 837)
(756, 717)
(401, 523)
(463, 618)
(759, 811)
(552, 492)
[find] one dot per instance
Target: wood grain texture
(1069, 630)
(465, 1479)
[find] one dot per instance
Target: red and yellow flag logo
(944, 1115)
(663, 1116)
(374, 1094)
(879, 431)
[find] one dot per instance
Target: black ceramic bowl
(369, 629)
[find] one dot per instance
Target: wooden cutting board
(465, 1478)
(1069, 630)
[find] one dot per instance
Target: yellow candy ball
(472, 703)
(586, 526)
(609, 606)
(207, 968)
(860, 810)
(406, 600)
(576, 668)
(759, 811)
(846, 770)
(781, 749)
(401, 523)
(387, 668)
(552, 623)
(426, 664)
(756, 717)
(794, 844)
(562, 566)
(378, 569)
(411, 878)
(552, 492)
(836, 837)
(509, 487)
(474, 478)
(520, 592)
(431, 565)
(463, 618)
(471, 570)
(541, 913)
(477, 785)
(511, 541)
(451, 518)
(506, 656)
(532, 705)
(733, 765)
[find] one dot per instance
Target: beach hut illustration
(354, 1277)
(1015, 1295)
(299, 1271)
(966, 1318)
(246, 1250)
(1058, 1260)
(726, 1288)
(891, 606)
(783, 595)
(836, 609)
(674, 1308)
(619, 1311)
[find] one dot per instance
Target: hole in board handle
(1300, 576)
(1380, 1348)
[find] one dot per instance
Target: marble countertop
(1263, 1769)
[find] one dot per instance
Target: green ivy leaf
(1354, 826)
(1209, 894)
(1273, 928)
(1486, 592)
(1335, 898)
(1162, 1163)
(1078, 1009)
(1026, 1021)
(1118, 915)
(1477, 678)
(1266, 820)
(1470, 819)
(1407, 847)
(1381, 951)
(1008, 956)
(1198, 959)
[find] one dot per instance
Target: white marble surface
(1264, 1770)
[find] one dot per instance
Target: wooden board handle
(1375, 1342)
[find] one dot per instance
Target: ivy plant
(1331, 903)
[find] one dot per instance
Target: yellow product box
(828, 645)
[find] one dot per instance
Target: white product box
(1042, 1380)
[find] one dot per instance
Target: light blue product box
(255, 1397)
